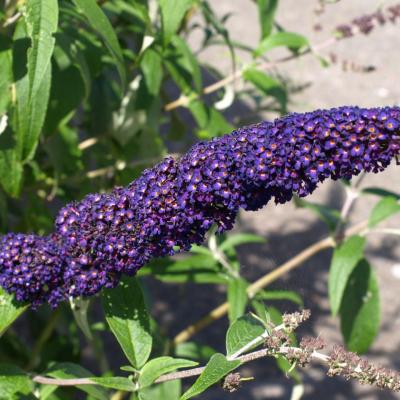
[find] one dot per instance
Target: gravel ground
(289, 230)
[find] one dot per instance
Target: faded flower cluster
(172, 205)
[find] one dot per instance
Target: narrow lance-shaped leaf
(11, 172)
(345, 258)
(100, 23)
(360, 309)
(128, 319)
(266, 15)
(10, 165)
(41, 22)
(291, 40)
(280, 295)
(380, 192)
(240, 238)
(237, 298)
(33, 89)
(152, 70)
(172, 13)
(5, 81)
(387, 207)
(215, 370)
(267, 85)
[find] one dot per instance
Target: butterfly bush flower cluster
(172, 205)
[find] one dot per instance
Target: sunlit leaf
(216, 369)
(360, 309)
(237, 298)
(266, 15)
(238, 239)
(14, 383)
(128, 319)
(172, 13)
(345, 259)
(385, 208)
(33, 86)
(241, 332)
(291, 40)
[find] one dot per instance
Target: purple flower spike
(172, 205)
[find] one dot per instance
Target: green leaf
(241, 332)
(215, 370)
(345, 258)
(14, 383)
(79, 307)
(201, 250)
(211, 122)
(72, 49)
(100, 23)
(160, 366)
(5, 79)
(69, 371)
(128, 319)
(41, 23)
(183, 66)
(11, 171)
(172, 13)
(384, 209)
(237, 298)
(115, 382)
(46, 392)
(291, 40)
(360, 309)
(266, 85)
(151, 66)
(200, 268)
(164, 391)
(266, 15)
(280, 295)
(260, 310)
(327, 214)
(380, 192)
(32, 86)
(194, 351)
(10, 310)
(240, 238)
(188, 59)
